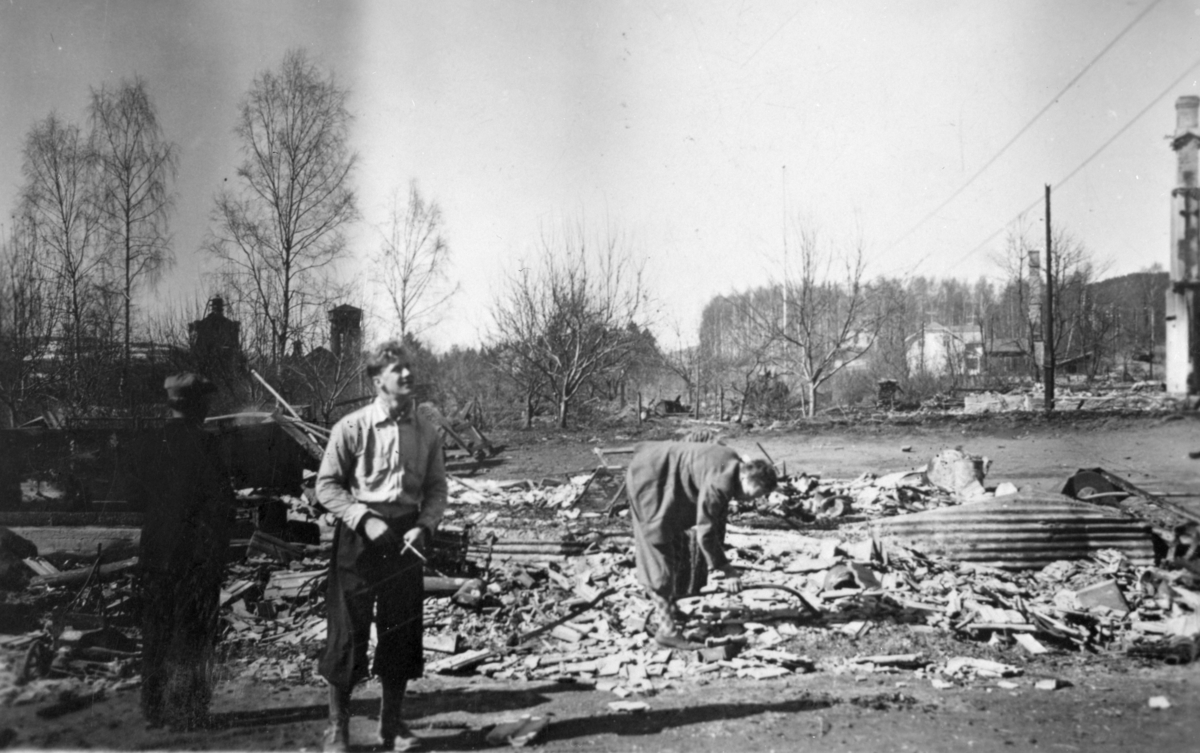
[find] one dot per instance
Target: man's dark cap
(187, 388)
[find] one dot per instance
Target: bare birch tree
(59, 199)
(136, 166)
(412, 262)
(28, 317)
(280, 234)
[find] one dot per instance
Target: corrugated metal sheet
(1021, 531)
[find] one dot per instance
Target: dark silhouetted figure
(188, 505)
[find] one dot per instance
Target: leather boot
(337, 734)
(394, 734)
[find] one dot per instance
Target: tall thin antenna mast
(783, 228)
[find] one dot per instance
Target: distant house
(938, 350)
(1011, 356)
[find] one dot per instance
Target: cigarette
(408, 547)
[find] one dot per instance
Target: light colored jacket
(375, 463)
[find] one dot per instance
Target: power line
(1024, 128)
(1073, 173)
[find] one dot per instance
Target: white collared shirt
(375, 460)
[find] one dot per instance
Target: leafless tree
(281, 233)
(28, 317)
(685, 363)
(826, 315)
(1078, 327)
(136, 166)
(412, 262)
(59, 199)
(568, 319)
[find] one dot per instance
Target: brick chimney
(345, 331)
(1183, 319)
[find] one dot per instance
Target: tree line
(570, 331)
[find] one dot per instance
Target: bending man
(679, 494)
(384, 478)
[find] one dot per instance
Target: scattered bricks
(491, 668)
(1051, 684)
(564, 633)
(610, 666)
(1030, 644)
(855, 628)
(892, 660)
(586, 592)
(445, 644)
(763, 673)
(460, 662)
(290, 584)
(1106, 594)
(829, 549)
(660, 657)
(581, 667)
(469, 594)
(862, 551)
(809, 565)
(635, 673)
(524, 579)
(863, 574)
(962, 665)
(560, 580)
(789, 661)
(629, 706)
(519, 733)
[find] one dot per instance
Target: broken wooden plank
(273, 546)
(71, 577)
(40, 566)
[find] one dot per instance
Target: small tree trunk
(529, 409)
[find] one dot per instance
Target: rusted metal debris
(1021, 531)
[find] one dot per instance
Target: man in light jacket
(383, 477)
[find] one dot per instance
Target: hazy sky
(694, 127)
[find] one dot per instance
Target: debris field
(534, 580)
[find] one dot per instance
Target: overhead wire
(1029, 124)
(1073, 173)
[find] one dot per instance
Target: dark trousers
(179, 625)
(373, 582)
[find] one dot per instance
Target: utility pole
(1048, 313)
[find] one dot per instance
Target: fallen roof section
(1021, 531)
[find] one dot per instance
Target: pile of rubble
(570, 609)
(1139, 396)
